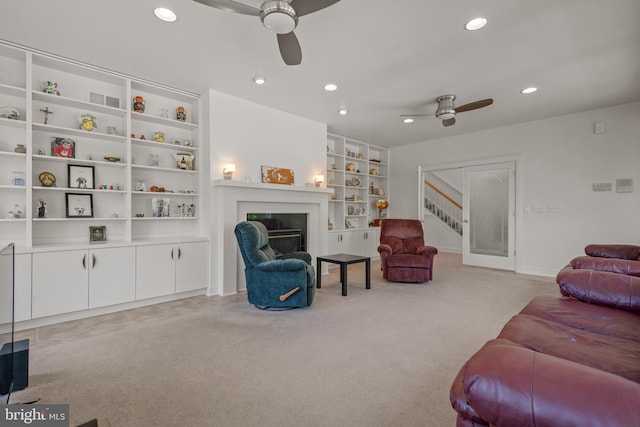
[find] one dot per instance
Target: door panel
(489, 216)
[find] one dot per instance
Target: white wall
(252, 135)
(561, 158)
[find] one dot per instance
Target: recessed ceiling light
(343, 111)
(529, 90)
(475, 23)
(165, 14)
(330, 87)
(259, 80)
(408, 120)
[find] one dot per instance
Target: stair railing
(443, 207)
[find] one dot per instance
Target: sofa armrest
(601, 287)
(508, 385)
(304, 256)
(427, 250)
(385, 248)
(282, 265)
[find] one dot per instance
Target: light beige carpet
(379, 357)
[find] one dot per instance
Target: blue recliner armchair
(274, 282)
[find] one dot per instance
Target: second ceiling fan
(281, 17)
(447, 110)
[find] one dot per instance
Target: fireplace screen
(287, 231)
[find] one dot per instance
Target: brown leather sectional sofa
(568, 361)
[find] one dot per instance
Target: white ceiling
(388, 57)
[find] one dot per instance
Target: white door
(111, 276)
(60, 282)
(191, 266)
(489, 216)
(155, 271)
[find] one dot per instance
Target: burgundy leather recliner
(403, 254)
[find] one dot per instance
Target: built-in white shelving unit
(125, 158)
(358, 172)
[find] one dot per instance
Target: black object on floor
(19, 365)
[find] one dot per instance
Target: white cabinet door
(59, 282)
(191, 266)
(372, 241)
(23, 287)
(111, 276)
(155, 271)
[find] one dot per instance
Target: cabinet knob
(84, 261)
(93, 260)
(172, 253)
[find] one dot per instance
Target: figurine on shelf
(88, 122)
(158, 136)
(184, 160)
(181, 114)
(155, 159)
(51, 88)
(16, 213)
(139, 104)
(42, 208)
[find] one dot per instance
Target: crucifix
(46, 112)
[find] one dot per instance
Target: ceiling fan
(281, 17)
(447, 111)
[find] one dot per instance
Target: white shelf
(120, 218)
(168, 193)
(44, 157)
(164, 218)
(144, 117)
(12, 154)
(79, 190)
(160, 169)
(12, 187)
(78, 132)
(13, 123)
(165, 145)
(19, 92)
(75, 103)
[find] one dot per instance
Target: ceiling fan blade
(305, 7)
(231, 6)
(449, 122)
(417, 115)
(474, 105)
(290, 48)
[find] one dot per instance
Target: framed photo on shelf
(160, 207)
(63, 147)
(81, 176)
(79, 205)
(98, 233)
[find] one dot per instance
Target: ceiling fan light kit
(446, 109)
(278, 16)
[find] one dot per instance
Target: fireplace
(287, 231)
(232, 202)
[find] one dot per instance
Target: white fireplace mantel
(230, 203)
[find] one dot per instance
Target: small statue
(51, 88)
(158, 136)
(181, 114)
(42, 208)
(155, 159)
(88, 122)
(139, 104)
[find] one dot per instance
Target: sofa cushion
(613, 251)
(598, 319)
(407, 245)
(603, 352)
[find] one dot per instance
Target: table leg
(343, 278)
(368, 273)
(318, 273)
